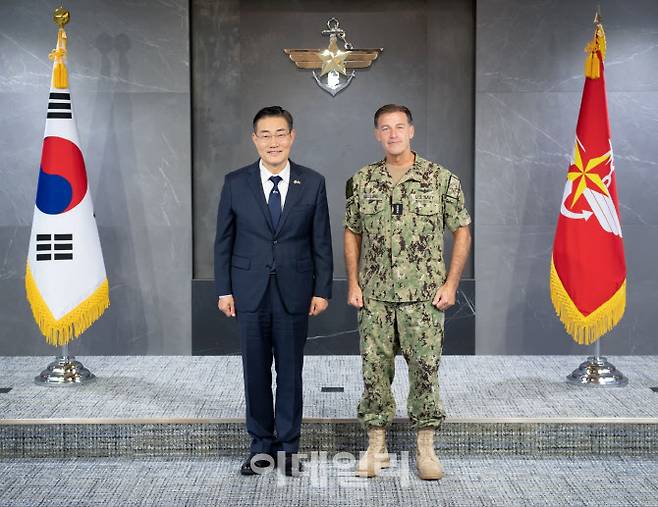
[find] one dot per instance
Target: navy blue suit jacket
(247, 245)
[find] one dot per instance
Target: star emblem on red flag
(582, 172)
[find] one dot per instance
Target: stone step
(197, 437)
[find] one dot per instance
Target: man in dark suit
(273, 268)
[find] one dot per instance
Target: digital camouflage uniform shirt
(402, 228)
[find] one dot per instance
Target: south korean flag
(65, 276)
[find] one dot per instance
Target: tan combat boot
(429, 466)
(376, 456)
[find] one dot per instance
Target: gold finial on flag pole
(595, 49)
(61, 16)
(597, 16)
(60, 76)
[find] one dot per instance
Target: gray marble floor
(210, 388)
(469, 481)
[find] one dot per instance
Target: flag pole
(64, 370)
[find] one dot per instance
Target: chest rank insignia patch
(332, 66)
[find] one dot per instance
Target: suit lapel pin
(296, 182)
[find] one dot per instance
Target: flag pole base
(64, 371)
(597, 372)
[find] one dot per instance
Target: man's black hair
(276, 111)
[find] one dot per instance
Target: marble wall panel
(537, 45)
(529, 78)
(129, 78)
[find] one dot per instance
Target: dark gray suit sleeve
(224, 241)
(323, 259)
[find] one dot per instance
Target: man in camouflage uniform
(395, 216)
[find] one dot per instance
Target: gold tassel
(60, 77)
(600, 37)
(592, 66)
(586, 329)
(595, 50)
(73, 324)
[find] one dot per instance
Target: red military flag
(588, 269)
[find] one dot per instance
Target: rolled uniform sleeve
(352, 213)
(455, 214)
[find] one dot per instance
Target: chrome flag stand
(597, 372)
(64, 371)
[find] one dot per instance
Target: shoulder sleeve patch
(349, 188)
(453, 189)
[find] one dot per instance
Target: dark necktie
(274, 202)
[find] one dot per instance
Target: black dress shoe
(293, 466)
(258, 467)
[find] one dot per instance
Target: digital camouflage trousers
(416, 330)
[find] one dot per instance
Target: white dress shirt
(265, 175)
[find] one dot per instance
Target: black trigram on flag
(59, 106)
(57, 247)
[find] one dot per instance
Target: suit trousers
(269, 333)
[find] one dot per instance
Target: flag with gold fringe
(588, 269)
(65, 276)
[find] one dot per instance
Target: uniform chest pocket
(427, 211)
(372, 214)
(425, 203)
(372, 206)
